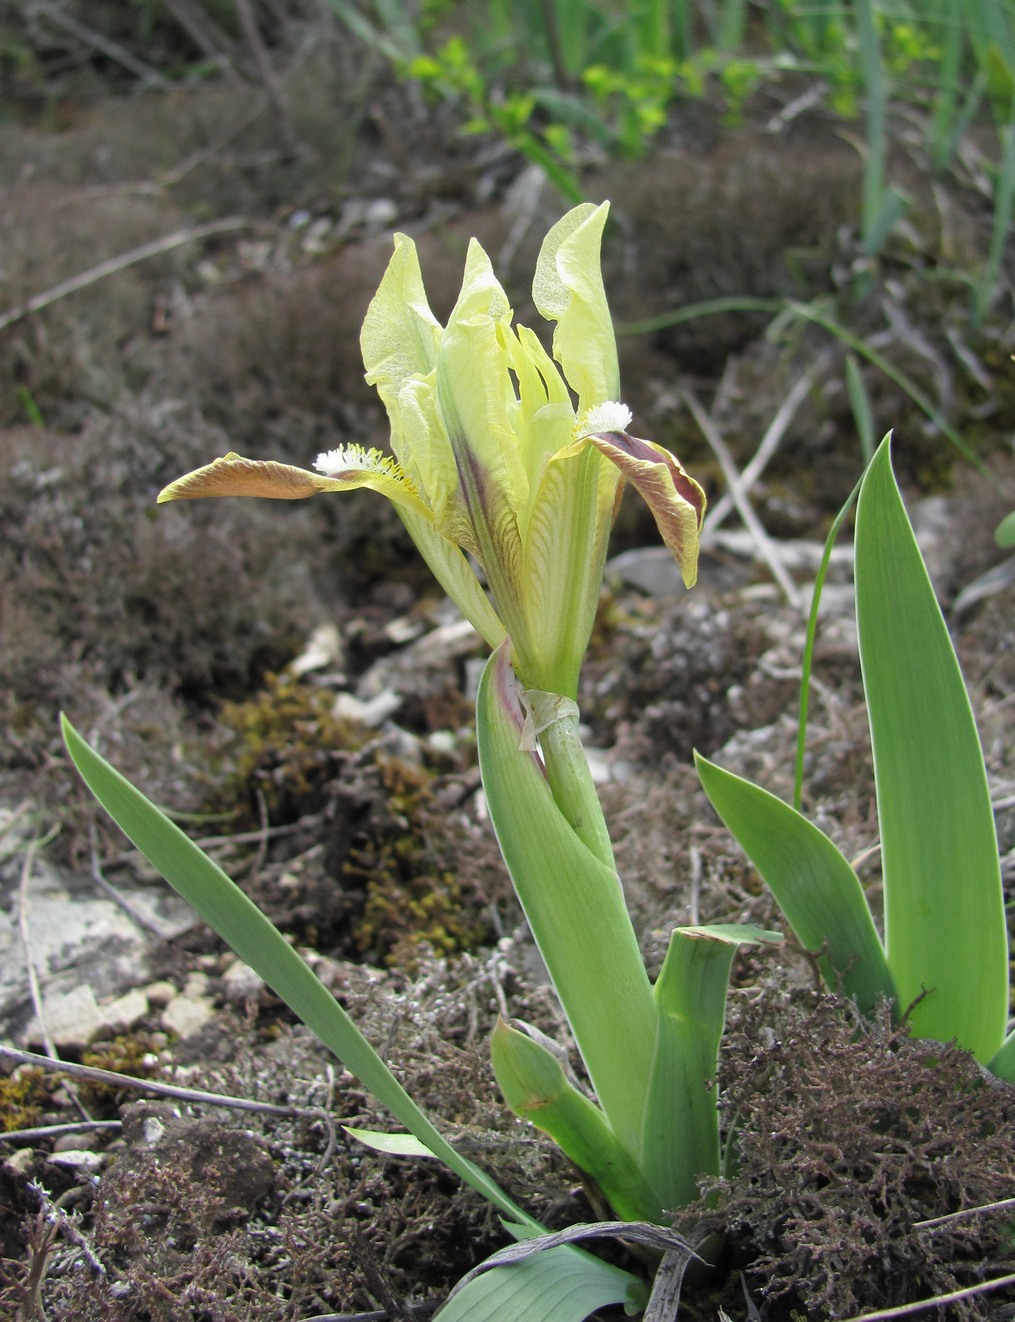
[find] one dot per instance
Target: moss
(282, 752)
(411, 901)
(127, 1053)
(403, 915)
(22, 1098)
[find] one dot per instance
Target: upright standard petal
(476, 390)
(568, 289)
(400, 334)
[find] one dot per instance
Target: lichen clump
(848, 1139)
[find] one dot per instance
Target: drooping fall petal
(677, 502)
(232, 475)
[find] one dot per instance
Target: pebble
(240, 983)
(126, 1011)
(186, 1015)
(160, 994)
(78, 1159)
(71, 1019)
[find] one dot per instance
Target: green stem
(555, 722)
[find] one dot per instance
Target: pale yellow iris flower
(498, 452)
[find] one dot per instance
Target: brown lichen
(847, 1140)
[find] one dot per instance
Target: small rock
(125, 1011)
(325, 650)
(78, 1159)
(160, 993)
(71, 1020)
(20, 1162)
(187, 1015)
(240, 983)
(371, 713)
(651, 570)
(75, 1142)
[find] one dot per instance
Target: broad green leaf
(1002, 1063)
(575, 907)
(1004, 533)
(394, 1145)
(560, 1285)
(813, 884)
(945, 930)
(536, 1088)
(239, 922)
(680, 1141)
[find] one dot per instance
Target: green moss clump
(127, 1053)
(411, 900)
(22, 1099)
(283, 748)
(402, 915)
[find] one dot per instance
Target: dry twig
(115, 264)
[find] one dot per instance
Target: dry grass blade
(26, 941)
(100, 42)
(1001, 1206)
(770, 442)
(645, 1233)
(935, 1301)
(115, 264)
(150, 1085)
(764, 543)
(54, 1131)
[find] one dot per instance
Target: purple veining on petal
(641, 450)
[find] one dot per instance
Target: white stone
(125, 1011)
(240, 982)
(187, 1015)
(71, 1019)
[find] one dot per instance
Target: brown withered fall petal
(677, 502)
(233, 475)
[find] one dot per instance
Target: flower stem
(553, 719)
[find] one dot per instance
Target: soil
(286, 678)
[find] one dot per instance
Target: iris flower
(506, 465)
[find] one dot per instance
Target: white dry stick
(139, 919)
(764, 543)
(119, 263)
(115, 1079)
(26, 941)
(937, 1301)
(1004, 1205)
(770, 442)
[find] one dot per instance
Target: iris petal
(677, 502)
(232, 475)
(568, 289)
